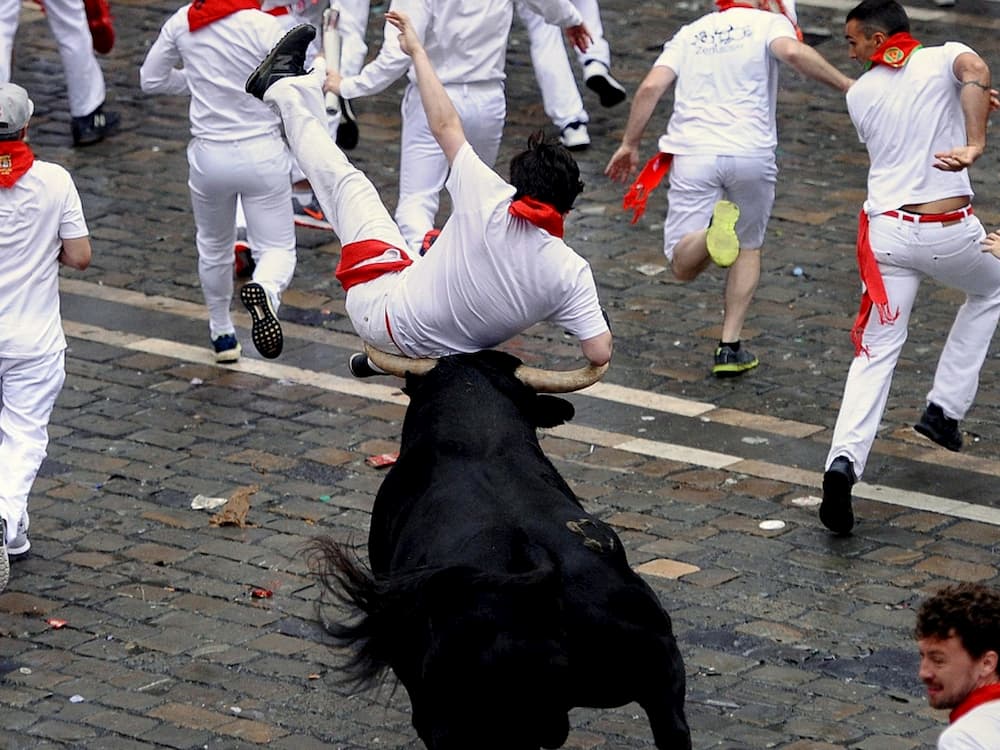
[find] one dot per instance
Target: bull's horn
(394, 364)
(560, 381)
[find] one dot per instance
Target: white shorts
(698, 182)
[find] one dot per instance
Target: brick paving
(792, 639)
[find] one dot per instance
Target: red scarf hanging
(648, 180)
(895, 51)
(203, 12)
(542, 215)
(873, 294)
(977, 697)
(16, 158)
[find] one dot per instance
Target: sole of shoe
(731, 370)
(935, 437)
(307, 221)
(607, 90)
(258, 83)
(836, 511)
(265, 329)
(721, 240)
(4, 564)
(229, 356)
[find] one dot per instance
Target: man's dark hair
(969, 611)
(547, 172)
(886, 16)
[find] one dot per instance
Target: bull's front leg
(663, 698)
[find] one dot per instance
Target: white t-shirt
(466, 41)
(904, 117)
(217, 60)
(727, 83)
(37, 213)
(979, 729)
(493, 275)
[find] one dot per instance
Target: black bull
(496, 600)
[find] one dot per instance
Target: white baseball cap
(15, 108)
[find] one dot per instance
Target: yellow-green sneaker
(730, 363)
(723, 244)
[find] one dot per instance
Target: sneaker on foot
(95, 127)
(4, 560)
(243, 262)
(227, 349)
(941, 429)
(19, 545)
(575, 136)
(309, 214)
(265, 330)
(835, 511)
(723, 244)
(286, 59)
(730, 362)
(598, 79)
(361, 366)
(347, 131)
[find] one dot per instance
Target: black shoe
(347, 130)
(598, 79)
(730, 363)
(942, 430)
(361, 367)
(95, 127)
(835, 512)
(265, 329)
(286, 59)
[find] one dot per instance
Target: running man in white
(500, 264)
(917, 221)
(467, 43)
(721, 139)
(43, 226)
(67, 19)
(560, 95)
(236, 149)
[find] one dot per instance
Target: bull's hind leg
(663, 698)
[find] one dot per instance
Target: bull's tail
(351, 583)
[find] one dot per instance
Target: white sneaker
(575, 136)
(598, 79)
(19, 545)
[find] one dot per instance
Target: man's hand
(332, 82)
(991, 243)
(957, 159)
(624, 162)
(579, 36)
(408, 40)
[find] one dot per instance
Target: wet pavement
(792, 638)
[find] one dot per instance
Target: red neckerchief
(873, 294)
(542, 215)
(203, 12)
(977, 697)
(16, 158)
(894, 51)
(648, 180)
(727, 4)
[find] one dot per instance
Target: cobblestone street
(183, 634)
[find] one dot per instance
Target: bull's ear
(551, 411)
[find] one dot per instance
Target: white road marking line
(618, 441)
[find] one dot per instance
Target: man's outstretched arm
(443, 119)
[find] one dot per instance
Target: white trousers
(560, 95)
(906, 253)
(349, 200)
(68, 23)
(423, 167)
(256, 170)
(28, 392)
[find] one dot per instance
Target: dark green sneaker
(723, 244)
(729, 363)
